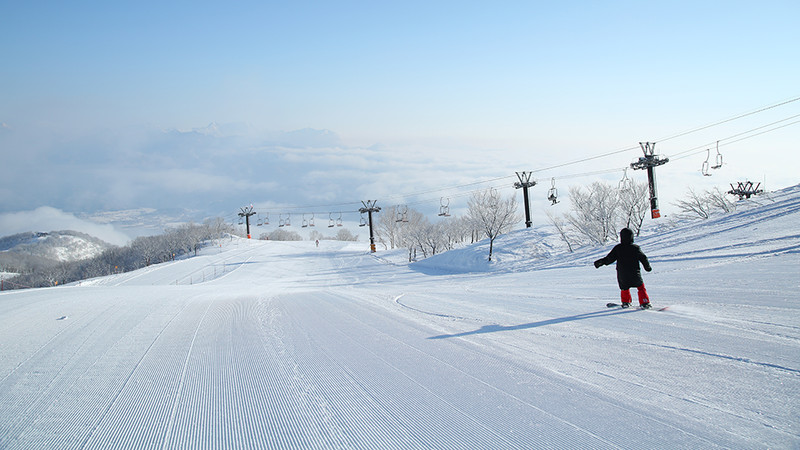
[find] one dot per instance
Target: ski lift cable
(740, 116)
(726, 141)
(741, 134)
(766, 108)
(430, 191)
(510, 188)
(680, 155)
(461, 194)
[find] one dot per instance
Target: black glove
(648, 268)
(598, 263)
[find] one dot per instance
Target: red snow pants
(625, 294)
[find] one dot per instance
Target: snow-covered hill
(56, 245)
(259, 344)
(759, 226)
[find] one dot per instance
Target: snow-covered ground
(281, 344)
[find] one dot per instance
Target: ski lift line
(588, 174)
(308, 208)
(741, 134)
(391, 197)
(503, 187)
(686, 154)
(763, 132)
(740, 116)
(591, 158)
(766, 108)
(679, 155)
(430, 191)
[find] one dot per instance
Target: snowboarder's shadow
(497, 328)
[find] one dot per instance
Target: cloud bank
(46, 219)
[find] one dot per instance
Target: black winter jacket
(628, 256)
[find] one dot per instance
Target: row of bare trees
(599, 210)
(488, 216)
(143, 251)
(703, 204)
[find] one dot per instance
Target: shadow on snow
(497, 328)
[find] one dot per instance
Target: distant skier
(628, 256)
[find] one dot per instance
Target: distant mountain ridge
(58, 246)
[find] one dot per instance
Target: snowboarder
(628, 256)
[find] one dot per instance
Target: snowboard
(617, 305)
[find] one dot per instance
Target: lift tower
(369, 208)
(525, 182)
(246, 212)
(650, 161)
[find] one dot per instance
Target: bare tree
(561, 225)
(634, 205)
(455, 230)
(434, 237)
(407, 230)
(694, 205)
(492, 214)
(282, 235)
(595, 211)
(217, 227)
(388, 229)
(719, 200)
(703, 204)
(345, 235)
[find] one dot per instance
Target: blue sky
(106, 105)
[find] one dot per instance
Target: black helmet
(626, 236)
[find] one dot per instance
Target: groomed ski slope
(285, 345)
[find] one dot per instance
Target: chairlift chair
(331, 222)
(363, 221)
(552, 193)
(625, 184)
(718, 163)
(288, 222)
(444, 208)
(311, 222)
(266, 219)
(281, 222)
(704, 168)
(305, 222)
(339, 220)
(402, 214)
(494, 198)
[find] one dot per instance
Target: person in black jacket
(628, 256)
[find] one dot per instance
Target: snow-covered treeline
(141, 252)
